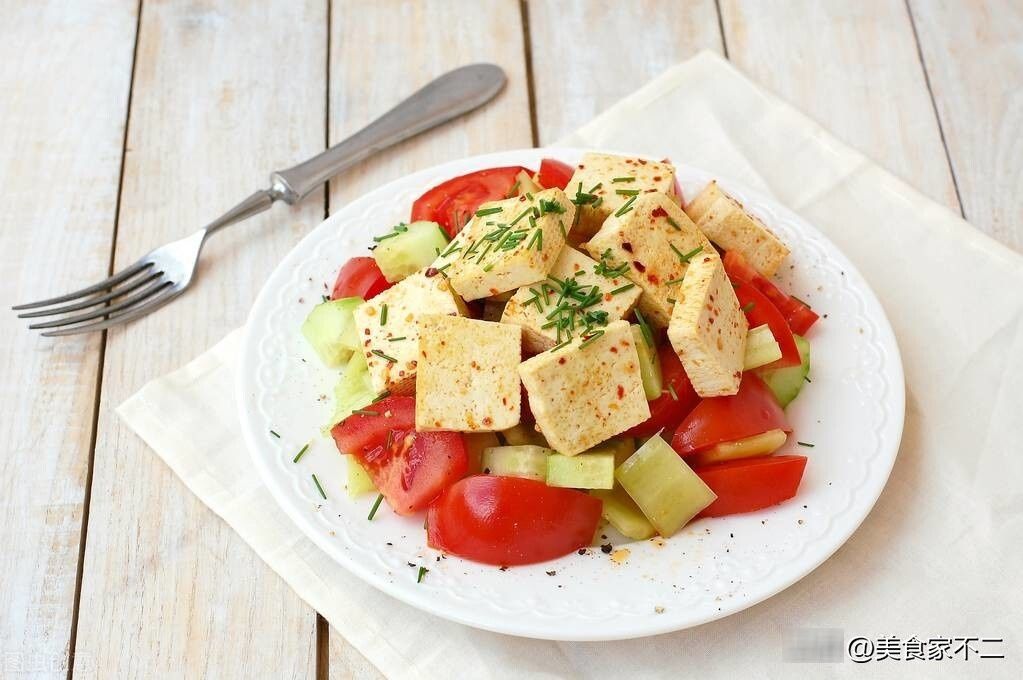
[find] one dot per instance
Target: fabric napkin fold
(939, 556)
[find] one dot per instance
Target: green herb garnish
(275, 434)
(300, 453)
(686, 257)
(805, 444)
(364, 412)
(627, 192)
(748, 306)
(622, 289)
(648, 334)
(550, 206)
(626, 207)
(483, 212)
(376, 505)
(423, 571)
(385, 356)
(400, 337)
(590, 338)
(318, 487)
(623, 179)
(383, 314)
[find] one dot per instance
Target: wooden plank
(853, 67)
(65, 79)
(588, 54)
(378, 57)
(973, 52)
(224, 92)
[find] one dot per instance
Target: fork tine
(150, 305)
(116, 292)
(155, 287)
(125, 273)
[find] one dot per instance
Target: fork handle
(449, 96)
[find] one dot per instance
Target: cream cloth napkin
(941, 555)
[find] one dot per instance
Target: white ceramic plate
(852, 412)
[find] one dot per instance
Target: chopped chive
(748, 306)
(483, 212)
(324, 298)
(384, 356)
(451, 250)
(626, 208)
(275, 434)
(488, 267)
(807, 378)
(595, 186)
(400, 337)
(525, 212)
(529, 196)
(686, 257)
(319, 488)
(364, 412)
(589, 339)
(627, 192)
(622, 289)
(376, 505)
(623, 179)
(561, 225)
(805, 444)
(423, 571)
(300, 453)
(536, 238)
(673, 281)
(648, 334)
(672, 301)
(437, 250)
(672, 392)
(550, 206)
(444, 234)
(392, 234)
(514, 190)
(596, 203)
(674, 224)
(560, 345)
(383, 314)
(383, 395)
(532, 221)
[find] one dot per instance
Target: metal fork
(163, 274)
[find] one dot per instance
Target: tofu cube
(609, 296)
(726, 223)
(587, 391)
(390, 341)
(708, 329)
(596, 176)
(508, 244)
(467, 378)
(655, 238)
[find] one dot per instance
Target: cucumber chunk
(624, 515)
(475, 444)
(516, 461)
(762, 444)
(620, 447)
(352, 391)
(521, 435)
(583, 471)
(649, 365)
(359, 481)
(667, 491)
(788, 381)
(409, 251)
(761, 348)
(330, 329)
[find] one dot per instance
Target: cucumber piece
(582, 471)
(624, 515)
(620, 447)
(521, 435)
(761, 348)
(359, 481)
(788, 381)
(516, 461)
(475, 444)
(352, 391)
(762, 444)
(667, 491)
(409, 251)
(649, 365)
(330, 329)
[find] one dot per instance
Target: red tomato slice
(359, 277)
(752, 411)
(666, 412)
(452, 203)
(760, 311)
(409, 468)
(510, 520)
(797, 313)
(555, 174)
(752, 483)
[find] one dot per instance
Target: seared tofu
(467, 378)
(587, 391)
(708, 328)
(726, 223)
(592, 293)
(656, 239)
(390, 340)
(508, 244)
(603, 183)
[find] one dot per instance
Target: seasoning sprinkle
(384, 356)
(423, 571)
(376, 505)
(383, 314)
(300, 453)
(319, 488)
(806, 444)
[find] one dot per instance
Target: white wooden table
(126, 123)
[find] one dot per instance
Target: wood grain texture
(380, 56)
(852, 66)
(973, 52)
(588, 54)
(65, 77)
(224, 92)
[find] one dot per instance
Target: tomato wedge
(554, 173)
(451, 203)
(797, 313)
(511, 520)
(359, 277)
(666, 412)
(751, 484)
(759, 311)
(753, 410)
(409, 468)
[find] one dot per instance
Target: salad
(535, 354)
